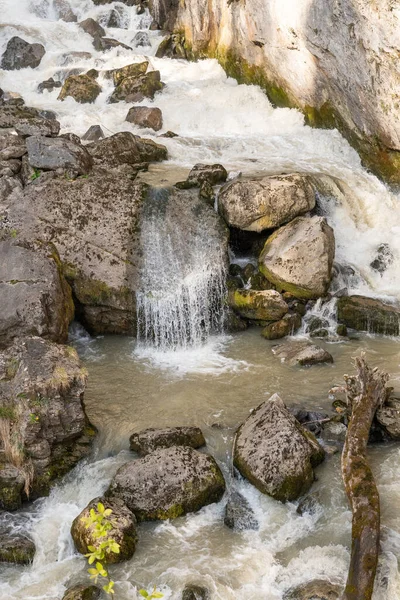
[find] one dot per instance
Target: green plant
(151, 596)
(33, 418)
(6, 412)
(36, 173)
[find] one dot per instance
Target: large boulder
(131, 70)
(58, 153)
(298, 257)
(275, 453)
(301, 352)
(82, 88)
(213, 174)
(266, 203)
(149, 440)
(19, 54)
(123, 530)
(35, 298)
(261, 305)
(92, 27)
(144, 116)
(369, 314)
(16, 548)
(124, 148)
(388, 418)
(27, 121)
(137, 88)
(168, 483)
(41, 392)
(286, 326)
(315, 590)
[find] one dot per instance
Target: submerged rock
(315, 590)
(82, 88)
(298, 257)
(82, 591)
(267, 202)
(275, 453)
(149, 440)
(123, 530)
(19, 54)
(301, 352)
(309, 504)
(369, 314)
(64, 11)
(238, 513)
(16, 548)
(58, 153)
(265, 305)
(49, 85)
(195, 592)
(384, 258)
(168, 483)
(286, 326)
(144, 116)
(141, 40)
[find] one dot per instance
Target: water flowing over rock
(288, 325)
(81, 88)
(301, 352)
(275, 453)
(17, 549)
(168, 483)
(266, 203)
(369, 314)
(44, 429)
(92, 27)
(149, 440)
(239, 514)
(123, 530)
(315, 590)
(19, 54)
(195, 592)
(182, 283)
(298, 257)
(266, 305)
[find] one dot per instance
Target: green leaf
(144, 593)
(100, 507)
(157, 595)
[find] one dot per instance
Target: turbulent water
(214, 384)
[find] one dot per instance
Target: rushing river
(213, 385)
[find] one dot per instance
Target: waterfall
(182, 291)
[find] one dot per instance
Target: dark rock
(238, 513)
(93, 28)
(275, 453)
(19, 54)
(309, 504)
(116, 19)
(214, 174)
(82, 591)
(9, 168)
(149, 440)
(341, 330)
(206, 192)
(102, 44)
(58, 153)
(93, 73)
(82, 88)
(286, 326)
(178, 480)
(173, 46)
(384, 258)
(49, 85)
(136, 89)
(302, 353)
(16, 549)
(93, 134)
(123, 530)
(320, 333)
(195, 592)
(126, 148)
(310, 419)
(369, 314)
(388, 417)
(141, 40)
(12, 480)
(131, 70)
(315, 323)
(169, 134)
(144, 116)
(314, 590)
(12, 146)
(233, 323)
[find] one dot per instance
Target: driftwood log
(366, 392)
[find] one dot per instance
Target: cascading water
(182, 285)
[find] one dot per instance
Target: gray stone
(310, 504)
(92, 27)
(298, 257)
(11, 146)
(301, 352)
(213, 174)
(168, 483)
(17, 549)
(315, 590)
(27, 121)
(19, 54)
(126, 148)
(275, 453)
(267, 202)
(388, 417)
(384, 258)
(195, 592)
(102, 44)
(369, 314)
(146, 117)
(64, 11)
(238, 513)
(49, 85)
(149, 440)
(58, 153)
(141, 40)
(93, 134)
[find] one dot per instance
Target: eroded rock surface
(369, 314)
(265, 305)
(19, 54)
(301, 352)
(149, 440)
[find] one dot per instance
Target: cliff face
(336, 60)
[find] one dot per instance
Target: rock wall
(336, 60)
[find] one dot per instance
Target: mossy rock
(16, 549)
(260, 305)
(369, 314)
(82, 88)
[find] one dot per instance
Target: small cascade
(182, 281)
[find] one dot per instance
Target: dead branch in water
(366, 392)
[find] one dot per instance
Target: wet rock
(384, 258)
(177, 480)
(82, 88)
(141, 40)
(233, 323)
(123, 530)
(341, 330)
(316, 323)
(58, 153)
(334, 432)
(195, 592)
(149, 440)
(238, 513)
(144, 116)
(213, 174)
(320, 333)
(298, 257)
(309, 504)
(64, 11)
(12, 146)
(388, 417)
(131, 70)
(275, 453)
(82, 591)
(310, 419)
(266, 203)
(17, 549)
(92, 27)
(35, 298)
(93, 134)
(173, 46)
(169, 134)
(126, 148)
(206, 192)
(19, 54)
(266, 305)
(12, 480)
(102, 44)
(301, 352)
(49, 85)
(286, 326)
(136, 89)
(315, 590)
(369, 314)
(41, 391)
(72, 57)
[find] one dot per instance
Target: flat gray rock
(149, 440)
(301, 352)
